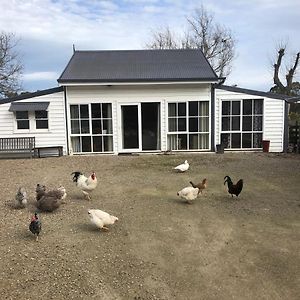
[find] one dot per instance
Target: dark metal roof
(138, 66)
(252, 92)
(28, 106)
(31, 95)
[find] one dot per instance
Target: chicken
(188, 193)
(233, 189)
(35, 226)
(86, 185)
(49, 201)
(101, 218)
(21, 198)
(183, 167)
(201, 185)
(40, 191)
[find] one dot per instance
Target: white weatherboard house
(145, 101)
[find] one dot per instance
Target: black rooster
(233, 189)
(35, 226)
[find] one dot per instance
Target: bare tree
(10, 65)
(216, 41)
(291, 88)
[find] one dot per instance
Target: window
(41, 119)
(22, 118)
(91, 127)
(188, 125)
(241, 124)
(32, 120)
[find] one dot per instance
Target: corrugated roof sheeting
(28, 106)
(137, 65)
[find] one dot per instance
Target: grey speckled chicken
(21, 198)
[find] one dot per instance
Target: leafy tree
(216, 41)
(10, 65)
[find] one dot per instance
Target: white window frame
(187, 132)
(91, 134)
(32, 124)
(241, 115)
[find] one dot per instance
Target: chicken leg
(87, 195)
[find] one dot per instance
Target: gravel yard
(219, 247)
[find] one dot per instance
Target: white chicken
(86, 184)
(188, 193)
(183, 167)
(101, 218)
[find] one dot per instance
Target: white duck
(183, 167)
(101, 218)
(188, 193)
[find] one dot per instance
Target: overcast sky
(48, 28)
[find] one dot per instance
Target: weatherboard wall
(55, 135)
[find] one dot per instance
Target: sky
(47, 30)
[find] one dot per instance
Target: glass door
(131, 131)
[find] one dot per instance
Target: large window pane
(75, 141)
(41, 124)
(96, 110)
(204, 108)
(106, 110)
(193, 141)
(97, 143)
(22, 114)
(247, 107)
(235, 140)
(182, 141)
(181, 124)
(235, 124)
(257, 123)
(107, 127)
(172, 111)
(247, 140)
(258, 107)
(84, 111)
(236, 107)
(193, 125)
(193, 108)
(247, 123)
(97, 129)
(203, 141)
(86, 144)
(172, 124)
(182, 109)
(23, 124)
(108, 143)
(226, 108)
(257, 140)
(225, 139)
(85, 126)
(204, 124)
(75, 127)
(225, 123)
(74, 111)
(41, 114)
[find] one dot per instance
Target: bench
(17, 147)
(48, 151)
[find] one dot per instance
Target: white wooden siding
(137, 94)
(273, 118)
(55, 136)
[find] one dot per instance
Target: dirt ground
(216, 248)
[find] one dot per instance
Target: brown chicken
(201, 185)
